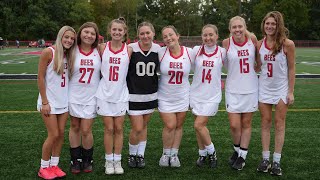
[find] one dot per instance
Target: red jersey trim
(177, 57)
(210, 55)
(84, 53)
(116, 52)
(242, 44)
(164, 54)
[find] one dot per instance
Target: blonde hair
(281, 33)
(60, 51)
(170, 27)
(122, 21)
(247, 33)
(145, 24)
(214, 27)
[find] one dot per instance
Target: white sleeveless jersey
(56, 85)
(174, 80)
(206, 83)
(274, 72)
(85, 79)
(241, 77)
(113, 86)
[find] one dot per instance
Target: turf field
(25, 60)
(22, 134)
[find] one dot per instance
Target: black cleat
(132, 161)
(140, 161)
(233, 158)
(201, 161)
(275, 169)
(87, 166)
(239, 163)
(264, 166)
(212, 160)
(75, 166)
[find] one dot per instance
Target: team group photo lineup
(81, 78)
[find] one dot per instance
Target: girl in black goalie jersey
(142, 81)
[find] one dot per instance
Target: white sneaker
(109, 167)
(118, 168)
(174, 161)
(164, 160)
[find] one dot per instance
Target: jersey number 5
(142, 68)
(84, 71)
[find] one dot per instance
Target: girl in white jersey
(85, 78)
(241, 87)
(53, 99)
(205, 92)
(276, 86)
(113, 95)
(173, 94)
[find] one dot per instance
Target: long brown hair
(281, 33)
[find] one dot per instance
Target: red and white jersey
(206, 83)
(113, 85)
(56, 85)
(174, 80)
(85, 79)
(274, 71)
(241, 77)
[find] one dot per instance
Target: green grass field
(22, 134)
(13, 61)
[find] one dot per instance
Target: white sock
(266, 155)
(210, 149)
(166, 151)
(174, 151)
(133, 149)
(142, 148)
(276, 157)
(54, 161)
(202, 152)
(117, 157)
(236, 148)
(44, 164)
(243, 153)
(109, 157)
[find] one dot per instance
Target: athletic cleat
(239, 163)
(201, 161)
(174, 161)
(275, 169)
(75, 166)
(118, 168)
(46, 173)
(132, 161)
(233, 158)
(213, 160)
(109, 168)
(58, 171)
(140, 161)
(264, 166)
(87, 166)
(164, 160)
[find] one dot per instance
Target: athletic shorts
(173, 106)
(204, 108)
(105, 108)
(53, 109)
(241, 103)
(82, 111)
(272, 99)
(140, 112)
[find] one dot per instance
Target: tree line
(35, 19)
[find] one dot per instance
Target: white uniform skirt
(53, 109)
(140, 112)
(204, 108)
(241, 103)
(82, 111)
(272, 99)
(105, 108)
(173, 106)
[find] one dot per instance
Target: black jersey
(142, 78)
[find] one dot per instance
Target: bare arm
(45, 58)
(289, 49)
(258, 64)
